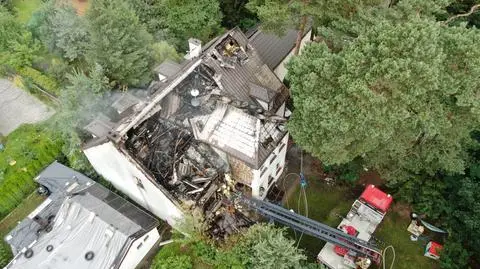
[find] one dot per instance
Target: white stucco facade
(270, 171)
(126, 175)
(281, 69)
(139, 249)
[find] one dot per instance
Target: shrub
(174, 262)
(266, 247)
(37, 77)
(5, 254)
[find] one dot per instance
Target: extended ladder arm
(311, 227)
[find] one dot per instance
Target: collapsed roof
(79, 217)
(222, 102)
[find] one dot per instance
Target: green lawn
(19, 213)
(393, 231)
(25, 8)
(326, 203)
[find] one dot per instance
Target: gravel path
(18, 107)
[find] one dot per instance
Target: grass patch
(19, 213)
(326, 204)
(25, 8)
(28, 150)
(393, 231)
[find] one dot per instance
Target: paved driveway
(18, 107)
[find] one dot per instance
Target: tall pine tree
(403, 95)
(119, 42)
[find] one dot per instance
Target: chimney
(195, 48)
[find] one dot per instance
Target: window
(146, 237)
(273, 158)
(281, 147)
(270, 180)
(279, 170)
(139, 245)
(263, 171)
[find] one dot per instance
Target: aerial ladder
(313, 228)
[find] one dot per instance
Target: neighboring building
(362, 220)
(81, 225)
(275, 50)
(212, 124)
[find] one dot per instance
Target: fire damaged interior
(190, 170)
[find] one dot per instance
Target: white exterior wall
(270, 167)
(281, 70)
(139, 249)
(124, 174)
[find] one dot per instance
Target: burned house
(210, 125)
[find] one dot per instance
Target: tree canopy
(403, 96)
(81, 101)
(17, 47)
(185, 19)
(119, 42)
(191, 18)
(61, 30)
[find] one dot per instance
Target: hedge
(48, 84)
(28, 150)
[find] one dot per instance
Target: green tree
(191, 18)
(39, 25)
(151, 13)
(7, 4)
(401, 95)
(162, 51)
(70, 31)
(454, 256)
(451, 202)
(279, 15)
(81, 101)
(119, 42)
(17, 47)
(266, 247)
(464, 7)
(235, 13)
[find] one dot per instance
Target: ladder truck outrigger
(348, 246)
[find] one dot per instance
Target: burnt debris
(190, 170)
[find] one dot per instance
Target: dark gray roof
(273, 48)
(100, 126)
(235, 81)
(125, 101)
(64, 184)
(168, 68)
